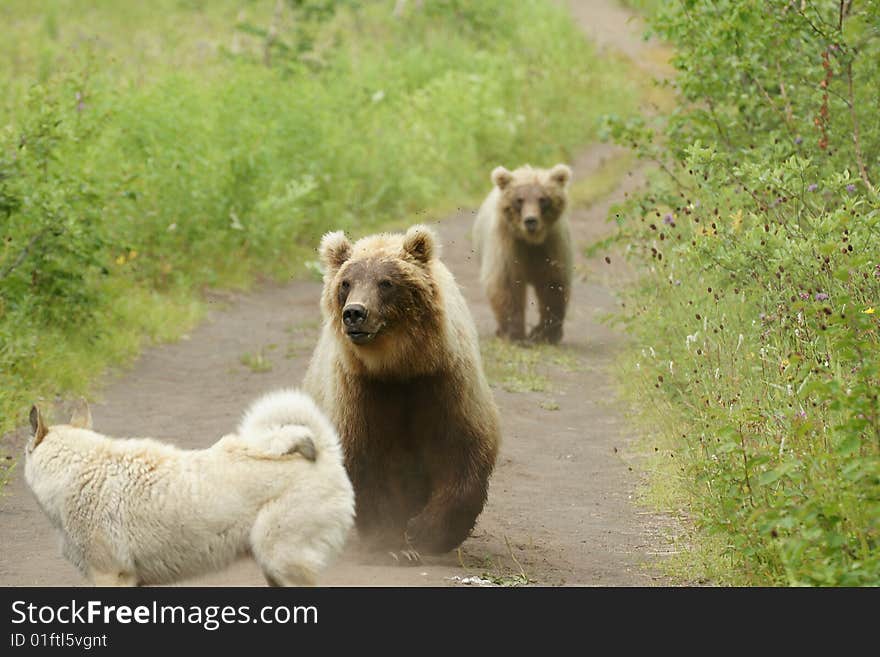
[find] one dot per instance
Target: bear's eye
(385, 284)
(518, 202)
(344, 286)
(545, 202)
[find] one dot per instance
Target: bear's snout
(531, 224)
(353, 315)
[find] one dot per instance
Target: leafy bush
(757, 319)
(187, 146)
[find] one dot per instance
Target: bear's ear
(38, 425)
(561, 174)
(82, 416)
(501, 177)
(420, 244)
(335, 249)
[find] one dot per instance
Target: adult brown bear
(398, 370)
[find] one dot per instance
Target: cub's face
(379, 293)
(532, 200)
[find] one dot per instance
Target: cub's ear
(38, 425)
(82, 416)
(335, 249)
(561, 174)
(420, 244)
(501, 177)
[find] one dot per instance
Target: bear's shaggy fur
(137, 511)
(398, 370)
(523, 238)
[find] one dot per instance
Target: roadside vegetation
(755, 356)
(150, 151)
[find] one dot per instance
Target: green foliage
(149, 150)
(756, 320)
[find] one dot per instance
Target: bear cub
(523, 239)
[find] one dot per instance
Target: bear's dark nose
(354, 314)
(531, 224)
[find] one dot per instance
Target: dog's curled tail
(286, 422)
(306, 447)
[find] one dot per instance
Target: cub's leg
(552, 303)
(507, 296)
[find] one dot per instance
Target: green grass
(256, 362)
(695, 557)
(68, 360)
(524, 367)
(513, 367)
(147, 154)
(7, 467)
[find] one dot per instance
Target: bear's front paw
(415, 531)
(406, 557)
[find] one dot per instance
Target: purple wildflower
(821, 296)
(812, 188)
(668, 220)
(804, 296)
(798, 140)
(850, 188)
(801, 415)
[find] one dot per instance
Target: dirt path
(560, 506)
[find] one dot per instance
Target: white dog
(137, 511)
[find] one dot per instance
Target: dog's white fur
(137, 511)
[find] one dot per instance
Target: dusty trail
(561, 497)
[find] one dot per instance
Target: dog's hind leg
(113, 579)
(286, 563)
(292, 541)
(290, 578)
(285, 558)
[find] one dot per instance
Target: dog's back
(146, 512)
